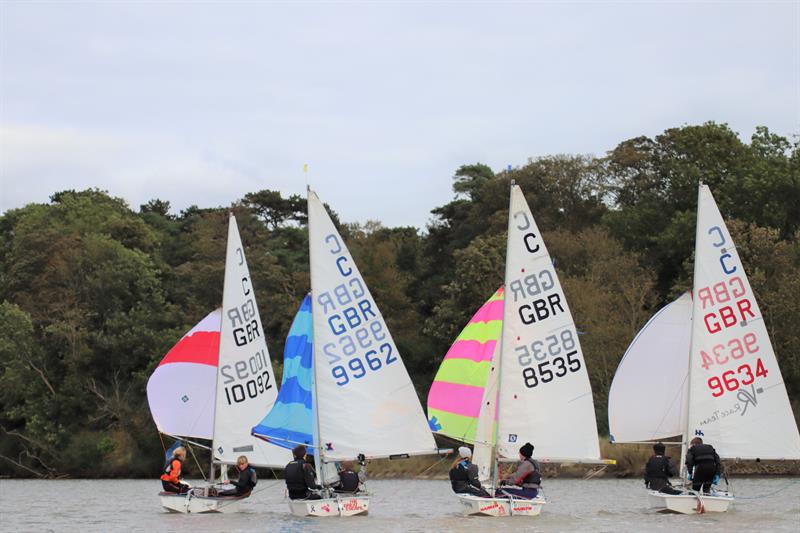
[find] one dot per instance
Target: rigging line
(443, 457)
(197, 462)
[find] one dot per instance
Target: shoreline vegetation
(94, 292)
(630, 458)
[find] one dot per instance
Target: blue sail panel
(291, 420)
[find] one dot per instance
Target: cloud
(36, 161)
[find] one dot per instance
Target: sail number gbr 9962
(360, 343)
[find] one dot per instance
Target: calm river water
(397, 505)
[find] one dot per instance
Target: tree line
(94, 293)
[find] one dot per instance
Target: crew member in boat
(659, 469)
(526, 479)
(173, 470)
(300, 477)
(349, 480)
(703, 465)
(246, 482)
(464, 475)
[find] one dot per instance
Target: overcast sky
(200, 103)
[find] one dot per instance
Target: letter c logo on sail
(525, 221)
(245, 286)
(337, 244)
(342, 260)
(720, 236)
(725, 268)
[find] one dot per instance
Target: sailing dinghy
(363, 400)
(537, 387)
(718, 377)
(216, 383)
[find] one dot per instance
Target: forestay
(366, 401)
(737, 399)
(647, 397)
(246, 386)
(291, 420)
(180, 391)
(545, 395)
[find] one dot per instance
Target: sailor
(464, 475)
(173, 469)
(246, 482)
(658, 470)
(703, 465)
(350, 481)
(526, 480)
(300, 477)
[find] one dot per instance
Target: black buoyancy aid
(295, 476)
(533, 479)
(250, 478)
(459, 478)
(703, 453)
(657, 467)
(349, 481)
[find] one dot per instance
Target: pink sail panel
(182, 388)
(454, 400)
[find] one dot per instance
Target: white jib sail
(647, 397)
(246, 386)
(545, 394)
(737, 399)
(366, 401)
(485, 433)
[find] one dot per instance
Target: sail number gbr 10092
(554, 357)
(246, 379)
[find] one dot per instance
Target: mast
(502, 337)
(685, 440)
(216, 382)
(314, 348)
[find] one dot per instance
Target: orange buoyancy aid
(172, 471)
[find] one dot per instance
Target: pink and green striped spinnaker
(454, 400)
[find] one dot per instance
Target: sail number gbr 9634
(360, 343)
(728, 344)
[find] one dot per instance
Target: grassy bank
(630, 463)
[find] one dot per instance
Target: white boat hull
(474, 505)
(341, 505)
(690, 502)
(190, 503)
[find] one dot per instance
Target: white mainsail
(246, 387)
(737, 398)
(545, 394)
(648, 394)
(365, 400)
